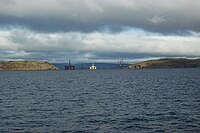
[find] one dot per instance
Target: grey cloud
(170, 16)
(157, 20)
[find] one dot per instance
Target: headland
(167, 63)
(26, 65)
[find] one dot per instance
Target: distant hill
(61, 66)
(98, 65)
(167, 63)
(26, 65)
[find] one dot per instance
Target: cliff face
(167, 63)
(26, 65)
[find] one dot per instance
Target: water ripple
(153, 101)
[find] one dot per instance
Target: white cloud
(18, 43)
(14, 54)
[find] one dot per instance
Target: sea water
(151, 100)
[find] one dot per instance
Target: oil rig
(120, 64)
(70, 67)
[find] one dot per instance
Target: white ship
(93, 67)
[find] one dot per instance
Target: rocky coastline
(26, 65)
(167, 63)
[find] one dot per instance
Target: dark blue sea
(83, 101)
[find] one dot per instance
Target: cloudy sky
(99, 30)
